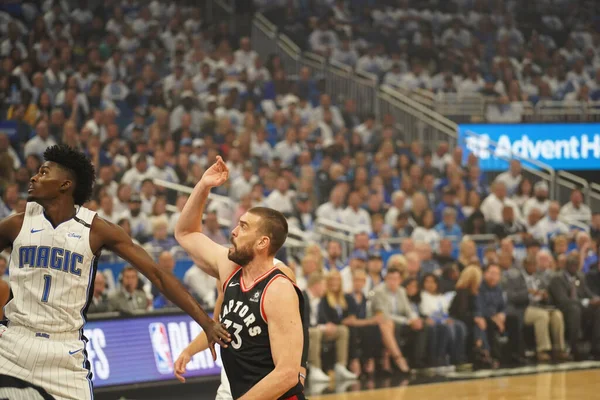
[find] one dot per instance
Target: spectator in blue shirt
(448, 200)
(334, 256)
(448, 228)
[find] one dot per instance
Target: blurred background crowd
(445, 265)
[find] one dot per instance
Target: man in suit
(99, 303)
(402, 323)
(129, 298)
(315, 291)
(580, 307)
(528, 301)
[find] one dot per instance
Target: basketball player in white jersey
(55, 245)
(201, 342)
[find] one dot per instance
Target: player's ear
(66, 185)
(264, 242)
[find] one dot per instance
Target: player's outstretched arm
(114, 238)
(281, 306)
(200, 343)
(208, 255)
(4, 293)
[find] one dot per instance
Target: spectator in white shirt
(512, 177)
(398, 206)
(550, 226)
(201, 285)
(288, 149)
(354, 216)
(318, 113)
(345, 54)
(394, 76)
(456, 36)
(40, 142)
(539, 199)
(135, 175)
(332, 210)
(417, 78)
(245, 56)
(494, 203)
(369, 62)
(282, 198)
(426, 232)
(323, 40)
(106, 210)
(472, 83)
(160, 169)
(576, 209)
(366, 130)
(244, 183)
(260, 148)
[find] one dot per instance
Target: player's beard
(241, 256)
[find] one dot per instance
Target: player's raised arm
(208, 255)
(281, 307)
(115, 239)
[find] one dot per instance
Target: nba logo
(160, 345)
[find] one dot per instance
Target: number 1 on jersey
(47, 284)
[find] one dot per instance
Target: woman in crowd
(523, 192)
(434, 306)
(425, 232)
(437, 333)
(418, 208)
(365, 336)
(463, 308)
(467, 253)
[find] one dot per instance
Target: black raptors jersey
(248, 358)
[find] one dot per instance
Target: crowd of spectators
(146, 102)
(509, 51)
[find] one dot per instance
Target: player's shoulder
(280, 285)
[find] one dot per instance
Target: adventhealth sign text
(561, 146)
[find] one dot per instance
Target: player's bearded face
(241, 255)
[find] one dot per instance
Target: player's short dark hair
(78, 165)
(274, 225)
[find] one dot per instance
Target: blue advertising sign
(137, 350)
(561, 146)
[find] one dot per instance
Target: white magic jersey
(51, 272)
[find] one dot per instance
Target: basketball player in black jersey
(262, 308)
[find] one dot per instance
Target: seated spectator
(308, 266)
(99, 303)
(428, 264)
(354, 215)
(491, 316)
(448, 201)
(413, 265)
(160, 240)
(374, 271)
(464, 308)
(445, 253)
(539, 199)
(201, 285)
(434, 306)
(549, 227)
(333, 260)
(397, 261)
(512, 178)
(448, 228)
(579, 305)
(418, 208)
(495, 202)
(426, 232)
(522, 193)
(213, 230)
(281, 199)
(509, 226)
(365, 336)
(401, 322)
(355, 263)
(575, 209)
(527, 298)
(402, 227)
(588, 251)
(475, 224)
(128, 298)
(334, 314)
